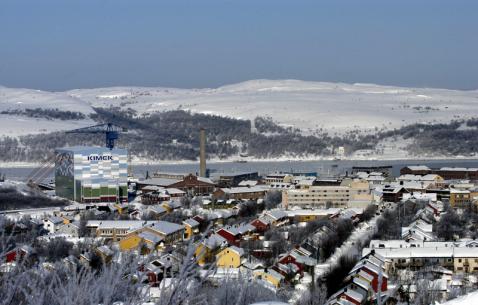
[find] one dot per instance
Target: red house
(374, 271)
(232, 237)
(17, 253)
(261, 225)
(290, 259)
(348, 294)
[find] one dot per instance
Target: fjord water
(323, 167)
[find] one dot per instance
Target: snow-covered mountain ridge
(307, 105)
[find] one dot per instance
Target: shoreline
(241, 161)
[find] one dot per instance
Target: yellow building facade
(230, 257)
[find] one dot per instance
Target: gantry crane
(111, 131)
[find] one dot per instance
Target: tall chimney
(202, 153)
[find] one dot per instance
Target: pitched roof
(165, 227)
(276, 214)
(418, 167)
(238, 250)
(154, 238)
(55, 219)
(191, 222)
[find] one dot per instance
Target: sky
(66, 44)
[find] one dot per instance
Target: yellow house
(203, 254)
(465, 259)
(191, 227)
(206, 250)
(152, 235)
(459, 198)
(146, 240)
(270, 276)
(66, 219)
(166, 206)
(230, 257)
(171, 205)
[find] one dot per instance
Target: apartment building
(333, 196)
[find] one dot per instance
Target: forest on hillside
(174, 135)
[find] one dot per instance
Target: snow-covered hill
(22, 99)
(306, 105)
(336, 107)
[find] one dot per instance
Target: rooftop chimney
(202, 153)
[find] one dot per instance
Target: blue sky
(59, 45)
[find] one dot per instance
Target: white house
(52, 224)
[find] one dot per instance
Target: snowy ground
(349, 247)
(467, 299)
(335, 107)
(21, 99)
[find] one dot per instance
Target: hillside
(26, 111)
(334, 107)
(261, 118)
(308, 106)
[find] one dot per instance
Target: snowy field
(21, 99)
(335, 107)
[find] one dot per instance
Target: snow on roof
(349, 292)
(55, 219)
(271, 272)
(365, 275)
(315, 212)
(238, 250)
(276, 214)
(165, 227)
(239, 229)
(174, 204)
(418, 167)
(105, 250)
(117, 224)
(455, 191)
(270, 303)
(150, 237)
(243, 189)
(153, 188)
(174, 191)
(463, 169)
(159, 181)
(466, 252)
(427, 252)
(248, 183)
(214, 241)
(362, 283)
(205, 180)
(369, 266)
(191, 222)
(157, 209)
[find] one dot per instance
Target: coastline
(257, 160)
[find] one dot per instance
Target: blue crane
(111, 131)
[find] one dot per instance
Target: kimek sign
(99, 158)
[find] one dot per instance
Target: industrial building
(91, 174)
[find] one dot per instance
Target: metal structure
(202, 153)
(111, 132)
(39, 174)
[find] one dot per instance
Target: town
(365, 236)
(245, 152)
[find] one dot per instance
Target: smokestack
(202, 153)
